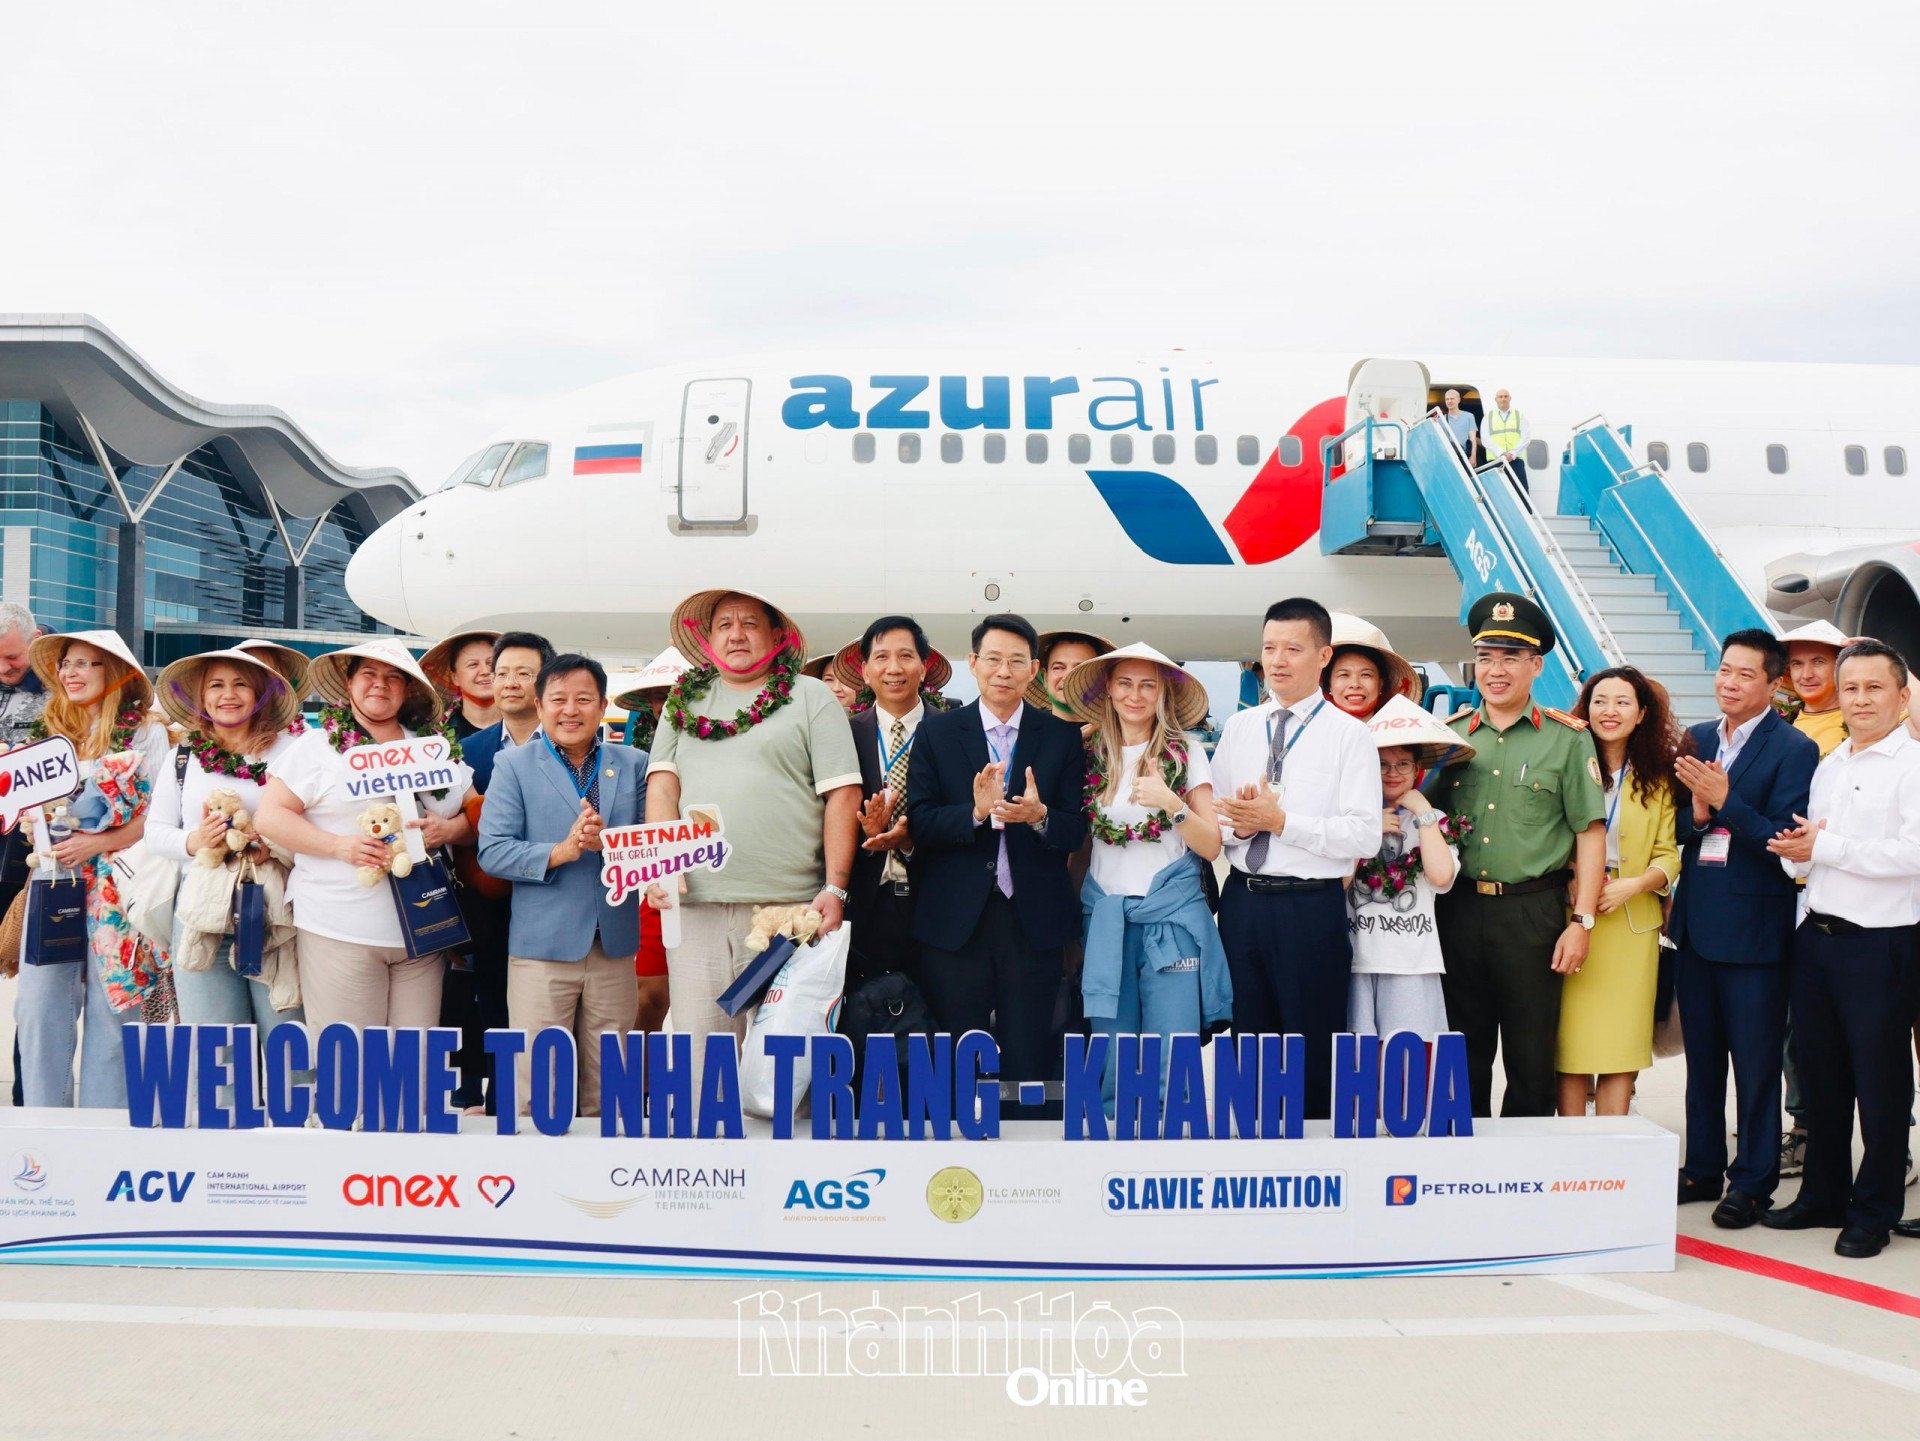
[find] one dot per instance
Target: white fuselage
(752, 472)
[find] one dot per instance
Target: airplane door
(713, 452)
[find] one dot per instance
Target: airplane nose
(374, 579)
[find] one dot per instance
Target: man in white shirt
(1297, 782)
(1856, 975)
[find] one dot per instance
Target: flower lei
(216, 760)
(695, 683)
(125, 726)
(1389, 878)
(344, 733)
(1173, 769)
(929, 697)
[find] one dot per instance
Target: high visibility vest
(1505, 434)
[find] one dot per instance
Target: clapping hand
(989, 789)
(1029, 809)
(1796, 843)
(882, 832)
(1254, 807)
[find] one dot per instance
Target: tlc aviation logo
(1402, 1190)
(1279, 511)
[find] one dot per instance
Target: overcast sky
(399, 221)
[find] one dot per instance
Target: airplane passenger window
(1290, 449)
(1657, 454)
(909, 446)
(1037, 447)
(1206, 450)
(489, 462)
(1697, 457)
(529, 463)
(1896, 460)
(1776, 460)
(1856, 458)
(1163, 450)
(1079, 449)
(1536, 455)
(949, 447)
(863, 447)
(1120, 449)
(994, 449)
(1246, 450)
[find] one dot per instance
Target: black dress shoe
(1738, 1211)
(1698, 1190)
(1909, 1229)
(1800, 1217)
(1860, 1243)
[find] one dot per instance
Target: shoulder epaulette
(1572, 721)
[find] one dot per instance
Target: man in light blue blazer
(570, 955)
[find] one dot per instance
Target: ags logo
(1402, 1190)
(853, 1194)
(152, 1186)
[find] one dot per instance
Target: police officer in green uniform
(1532, 791)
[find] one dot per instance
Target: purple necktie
(1003, 751)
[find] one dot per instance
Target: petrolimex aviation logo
(1276, 513)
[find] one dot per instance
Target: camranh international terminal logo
(955, 1194)
(27, 1172)
(1402, 1190)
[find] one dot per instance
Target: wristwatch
(1179, 817)
(1586, 921)
(1428, 818)
(841, 893)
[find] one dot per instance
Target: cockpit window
(529, 463)
(481, 471)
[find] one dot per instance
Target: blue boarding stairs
(1625, 571)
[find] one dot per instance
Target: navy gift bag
(430, 918)
(56, 932)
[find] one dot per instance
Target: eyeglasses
(79, 666)
(1398, 768)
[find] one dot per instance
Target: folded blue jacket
(1174, 925)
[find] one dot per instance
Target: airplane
(1166, 498)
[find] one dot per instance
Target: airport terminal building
(128, 504)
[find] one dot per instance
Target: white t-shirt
(177, 805)
(1389, 942)
(1129, 870)
(325, 893)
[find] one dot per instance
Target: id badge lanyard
(1275, 771)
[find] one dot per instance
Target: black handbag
(888, 1004)
(56, 924)
(428, 904)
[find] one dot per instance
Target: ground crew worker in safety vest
(1532, 790)
(1504, 435)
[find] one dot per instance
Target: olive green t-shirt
(1529, 790)
(769, 784)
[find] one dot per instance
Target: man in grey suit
(569, 954)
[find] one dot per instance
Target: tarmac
(1754, 1331)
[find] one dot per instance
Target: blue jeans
(46, 1013)
(221, 996)
(1163, 1003)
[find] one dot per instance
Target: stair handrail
(1651, 468)
(1556, 556)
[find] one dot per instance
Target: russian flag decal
(608, 459)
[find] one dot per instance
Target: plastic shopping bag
(802, 1001)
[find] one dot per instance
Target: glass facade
(216, 568)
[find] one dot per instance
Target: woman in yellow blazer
(1606, 1008)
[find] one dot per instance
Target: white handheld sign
(634, 857)
(34, 774)
(384, 769)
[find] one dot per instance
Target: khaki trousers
(600, 993)
(367, 985)
(708, 959)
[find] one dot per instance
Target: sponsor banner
(1516, 1197)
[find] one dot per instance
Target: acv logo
(151, 1186)
(855, 1193)
(416, 1190)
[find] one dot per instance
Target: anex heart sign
(389, 768)
(34, 774)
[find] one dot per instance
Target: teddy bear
(240, 833)
(798, 922)
(384, 823)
